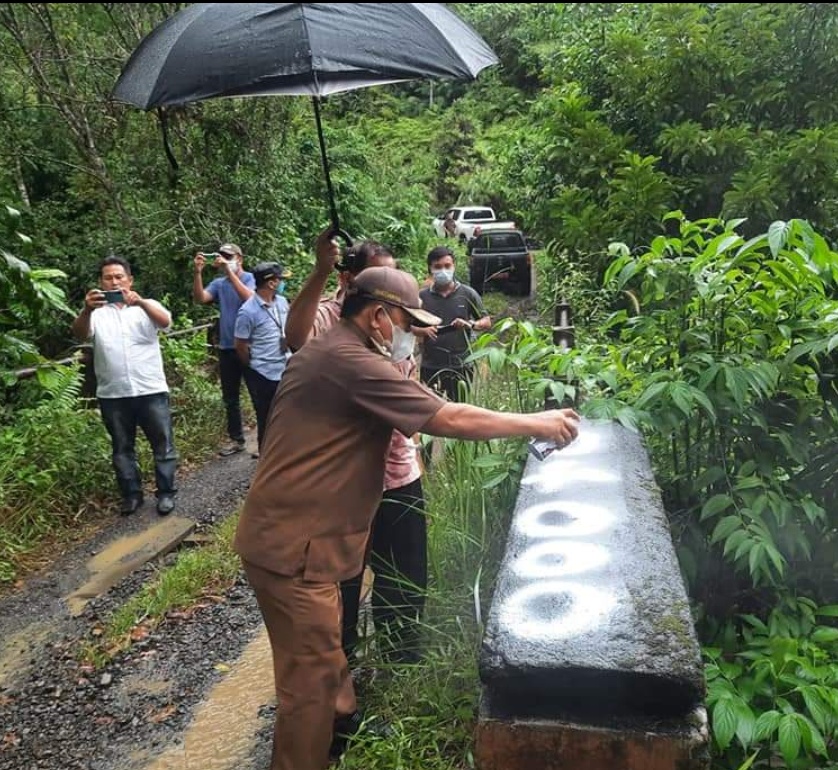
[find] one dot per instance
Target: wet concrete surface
(134, 713)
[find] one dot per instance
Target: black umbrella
(211, 50)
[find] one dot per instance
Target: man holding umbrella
(306, 518)
(398, 547)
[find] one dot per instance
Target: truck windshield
(479, 214)
(501, 242)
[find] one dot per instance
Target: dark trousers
(399, 559)
(446, 381)
(230, 372)
(262, 392)
(122, 417)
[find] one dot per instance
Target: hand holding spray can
(540, 448)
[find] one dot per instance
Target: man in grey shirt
(445, 347)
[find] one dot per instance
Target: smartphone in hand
(112, 297)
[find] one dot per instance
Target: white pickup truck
(462, 221)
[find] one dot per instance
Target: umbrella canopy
(254, 49)
(211, 50)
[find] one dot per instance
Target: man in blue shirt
(232, 288)
(260, 340)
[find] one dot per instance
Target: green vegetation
(55, 459)
(724, 359)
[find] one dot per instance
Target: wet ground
(195, 693)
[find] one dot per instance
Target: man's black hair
(358, 255)
(114, 260)
(438, 252)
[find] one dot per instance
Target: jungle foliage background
(678, 160)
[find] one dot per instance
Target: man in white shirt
(131, 386)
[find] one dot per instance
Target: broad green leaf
(495, 480)
(724, 722)
(497, 359)
(652, 392)
(745, 723)
(818, 710)
(755, 562)
(705, 402)
(789, 737)
(777, 236)
(681, 397)
(735, 540)
(748, 482)
(812, 738)
(776, 558)
(715, 505)
(727, 526)
(743, 548)
(708, 477)
(754, 621)
(824, 634)
(766, 724)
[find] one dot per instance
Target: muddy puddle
(222, 734)
(126, 554)
(17, 649)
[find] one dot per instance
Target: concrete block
(590, 627)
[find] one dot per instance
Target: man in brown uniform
(306, 519)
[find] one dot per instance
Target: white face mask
(443, 277)
(401, 346)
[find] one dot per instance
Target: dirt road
(197, 692)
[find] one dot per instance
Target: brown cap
(394, 287)
(229, 249)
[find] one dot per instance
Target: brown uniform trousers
(311, 673)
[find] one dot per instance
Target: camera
(112, 297)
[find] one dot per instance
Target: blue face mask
(443, 277)
(280, 289)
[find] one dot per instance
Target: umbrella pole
(332, 207)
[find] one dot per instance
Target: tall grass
(432, 705)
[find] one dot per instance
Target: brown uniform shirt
(319, 482)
